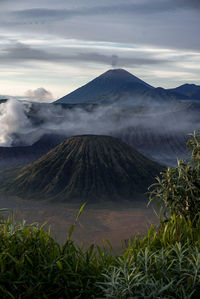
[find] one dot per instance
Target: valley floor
(108, 221)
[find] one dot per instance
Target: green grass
(165, 263)
(33, 265)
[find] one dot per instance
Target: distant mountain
(121, 87)
(87, 167)
(104, 88)
(190, 91)
(159, 97)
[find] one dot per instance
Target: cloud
(39, 94)
(23, 123)
(13, 118)
(148, 7)
(25, 52)
(158, 22)
(20, 51)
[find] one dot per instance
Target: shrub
(172, 272)
(33, 265)
(165, 263)
(179, 188)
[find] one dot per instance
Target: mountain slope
(105, 87)
(21, 155)
(120, 87)
(191, 91)
(86, 167)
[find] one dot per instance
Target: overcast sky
(60, 45)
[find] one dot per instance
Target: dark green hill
(86, 167)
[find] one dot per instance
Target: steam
(14, 121)
(13, 118)
(114, 60)
(39, 94)
(23, 123)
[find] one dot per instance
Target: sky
(49, 48)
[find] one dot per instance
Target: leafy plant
(33, 265)
(179, 188)
(165, 263)
(172, 272)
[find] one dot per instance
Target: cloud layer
(23, 123)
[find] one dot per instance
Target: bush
(172, 272)
(179, 188)
(33, 265)
(165, 263)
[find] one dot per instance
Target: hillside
(21, 155)
(190, 91)
(86, 167)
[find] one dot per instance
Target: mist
(24, 123)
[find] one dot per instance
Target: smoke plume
(114, 60)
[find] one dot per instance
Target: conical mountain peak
(89, 167)
(122, 74)
(108, 87)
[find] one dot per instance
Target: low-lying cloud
(24, 123)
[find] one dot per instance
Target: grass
(33, 265)
(165, 263)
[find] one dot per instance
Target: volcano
(87, 167)
(106, 88)
(120, 87)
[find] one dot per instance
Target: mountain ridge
(190, 91)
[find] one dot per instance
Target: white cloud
(39, 95)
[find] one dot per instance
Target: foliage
(165, 263)
(173, 272)
(179, 188)
(33, 265)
